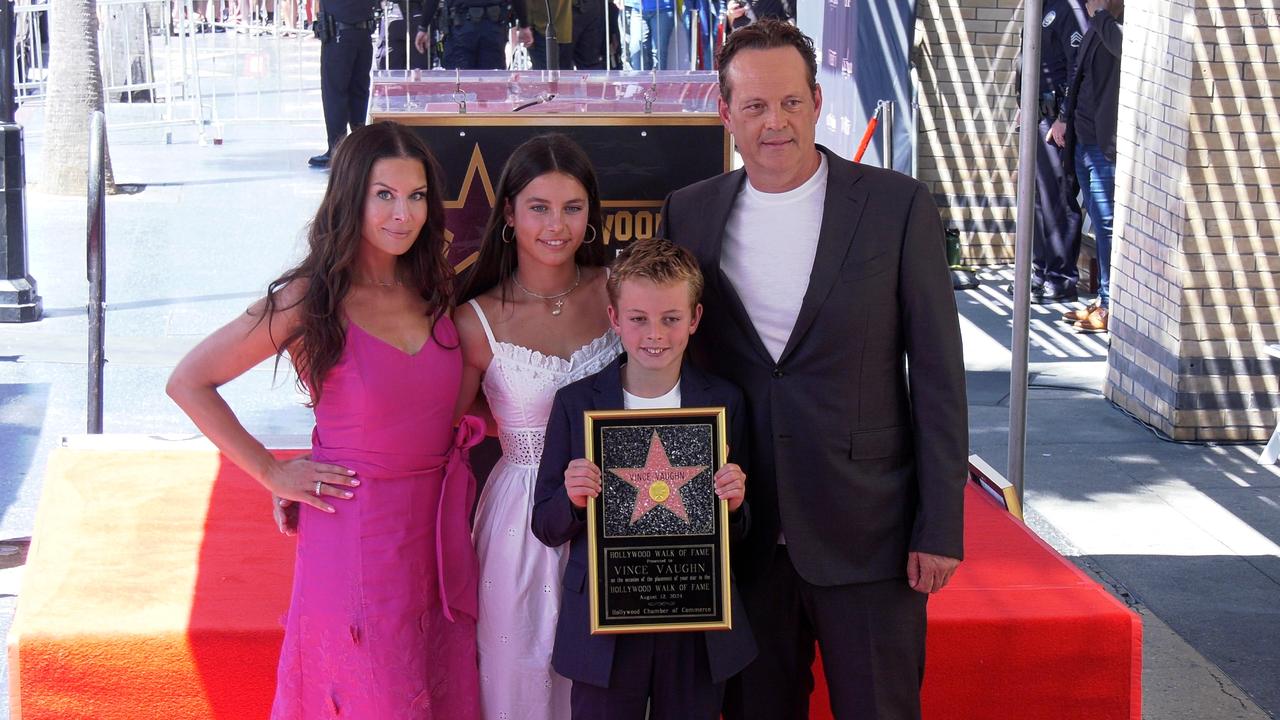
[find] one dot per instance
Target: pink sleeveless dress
(381, 624)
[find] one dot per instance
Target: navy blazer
(579, 655)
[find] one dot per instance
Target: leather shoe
(1052, 294)
(1096, 322)
(1072, 316)
(1037, 290)
(319, 161)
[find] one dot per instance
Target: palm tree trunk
(74, 92)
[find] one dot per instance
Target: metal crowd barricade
(260, 61)
(141, 56)
(31, 48)
(145, 59)
(202, 63)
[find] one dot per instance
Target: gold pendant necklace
(556, 299)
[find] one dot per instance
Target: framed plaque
(658, 537)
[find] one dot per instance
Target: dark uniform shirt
(350, 11)
(1062, 30)
(431, 7)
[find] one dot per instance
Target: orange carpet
(154, 588)
(156, 584)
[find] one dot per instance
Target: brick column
(1196, 263)
(968, 145)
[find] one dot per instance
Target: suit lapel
(717, 216)
(608, 387)
(841, 213)
(718, 220)
(694, 387)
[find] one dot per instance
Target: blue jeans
(648, 35)
(1097, 177)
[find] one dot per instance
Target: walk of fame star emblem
(469, 213)
(658, 484)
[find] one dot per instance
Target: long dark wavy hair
(537, 156)
(334, 238)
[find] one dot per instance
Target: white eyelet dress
(519, 576)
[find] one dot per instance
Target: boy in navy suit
(654, 293)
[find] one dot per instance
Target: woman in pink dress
(381, 623)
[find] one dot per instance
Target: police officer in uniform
(403, 55)
(1057, 239)
(346, 57)
(475, 32)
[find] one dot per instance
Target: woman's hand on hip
(306, 481)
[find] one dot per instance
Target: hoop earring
(592, 228)
(503, 233)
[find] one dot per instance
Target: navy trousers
(1056, 245)
(345, 63)
(478, 45)
(666, 674)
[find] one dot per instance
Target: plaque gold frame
(642, 418)
(995, 484)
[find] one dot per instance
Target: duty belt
(367, 25)
(475, 13)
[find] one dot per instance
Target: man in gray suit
(829, 303)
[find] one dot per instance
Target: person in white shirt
(829, 303)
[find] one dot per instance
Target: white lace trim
(529, 356)
(522, 447)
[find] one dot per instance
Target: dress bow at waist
(456, 565)
(456, 562)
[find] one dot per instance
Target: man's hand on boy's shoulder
(581, 481)
(731, 485)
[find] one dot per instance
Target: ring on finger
(319, 487)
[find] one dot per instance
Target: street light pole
(18, 299)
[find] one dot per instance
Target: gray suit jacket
(859, 432)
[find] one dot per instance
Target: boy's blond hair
(659, 261)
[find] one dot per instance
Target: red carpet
(1020, 632)
(156, 582)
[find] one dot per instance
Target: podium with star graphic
(657, 536)
(646, 134)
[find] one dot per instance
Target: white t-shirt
(769, 246)
(669, 399)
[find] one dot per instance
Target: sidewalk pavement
(1186, 535)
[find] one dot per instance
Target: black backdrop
(638, 160)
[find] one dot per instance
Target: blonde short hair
(659, 261)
